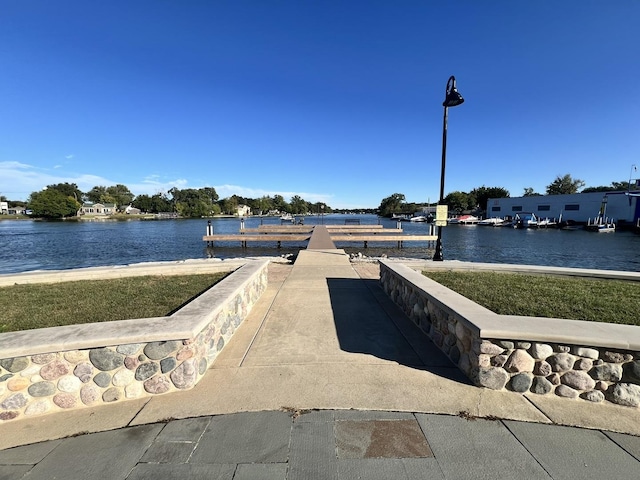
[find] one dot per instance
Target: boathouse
(623, 207)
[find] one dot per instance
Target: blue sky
(335, 101)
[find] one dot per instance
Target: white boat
(287, 217)
(603, 227)
(492, 222)
(419, 218)
(463, 220)
(525, 220)
(547, 223)
(600, 222)
(468, 220)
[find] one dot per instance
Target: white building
(622, 207)
(243, 210)
(4, 208)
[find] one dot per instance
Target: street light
(452, 99)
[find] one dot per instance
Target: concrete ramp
(320, 239)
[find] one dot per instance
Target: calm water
(33, 245)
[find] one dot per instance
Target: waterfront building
(90, 208)
(622, 207)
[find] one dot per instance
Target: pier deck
(302, 233)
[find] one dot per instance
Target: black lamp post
(452, 99)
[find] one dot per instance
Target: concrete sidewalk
(307, 388)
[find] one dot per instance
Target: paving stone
(154, 471)
(187, 430)
(380, 439)
(316, 416)
(630, 443)
(168, 452)
(422, 468)
(570, 453)
(372, 415)
(261, 437)
(261, 471)
(389, 468)
(477, 449)
(313, 452)
(110, 454)
(11, 472)
(28, 454)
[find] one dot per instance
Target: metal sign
(441, 215)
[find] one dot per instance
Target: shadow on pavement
(368, 322)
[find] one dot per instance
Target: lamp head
(453, 97)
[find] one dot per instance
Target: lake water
(34, 245)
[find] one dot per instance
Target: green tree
(483, 194)
(211, 194)
(529, 192)
(564, 185)
(96, 194)
(191, 202)
(229, 205)
(144, 203)
(280, 204)
(52, 203)
(458, 202)
(298, 205)
(614, 187)
(160, 202)
(120, 194)
(262, 205)
(68, 190)
(391, 205)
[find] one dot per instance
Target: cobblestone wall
(592, 373)
(45, 383)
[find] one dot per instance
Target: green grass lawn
(611, 301)
(24, 307)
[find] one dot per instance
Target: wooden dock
(302, 233)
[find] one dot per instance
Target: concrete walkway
(325, 379)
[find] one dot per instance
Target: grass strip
(596, 300)
(25, 307)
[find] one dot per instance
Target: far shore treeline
(64, 200)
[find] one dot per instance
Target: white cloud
(153, 184)
(69, 157)
(19, 180)
(228, 190)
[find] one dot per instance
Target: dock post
(241, 224)
(209, 232)
(365, 244)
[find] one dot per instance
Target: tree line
(476, 199)
(63, 200)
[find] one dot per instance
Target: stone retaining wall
(567, 358)
(113, 362)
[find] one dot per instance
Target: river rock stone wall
(591, 373)
(46, 383)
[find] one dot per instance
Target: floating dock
(303, 233)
